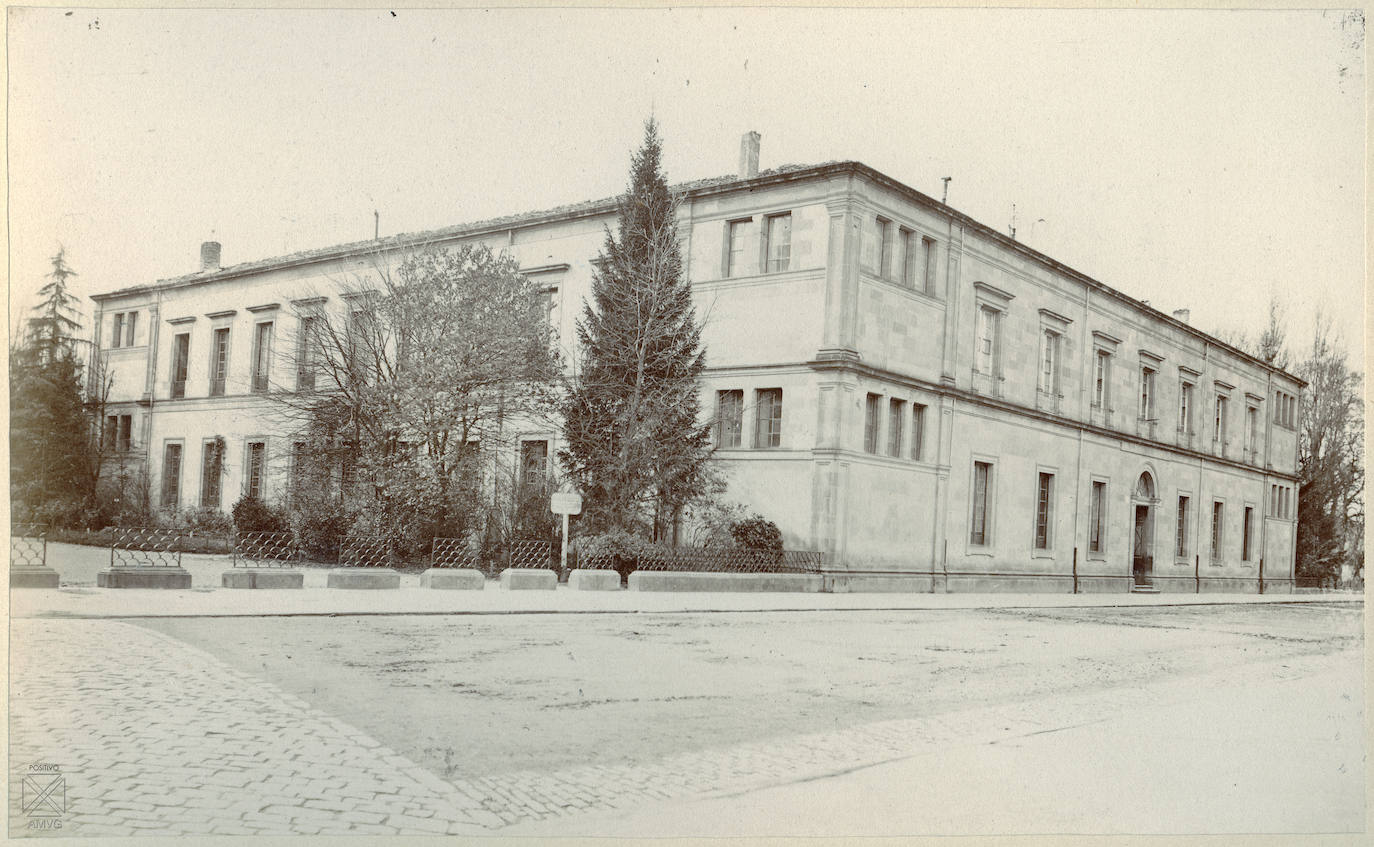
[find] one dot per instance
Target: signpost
(565, 503)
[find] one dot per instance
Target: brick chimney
(749, 155)
(1183, 314)
(209, 256)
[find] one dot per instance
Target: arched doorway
(1143, 502)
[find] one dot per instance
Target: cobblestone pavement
(155, 736)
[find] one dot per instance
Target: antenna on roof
(945, 180)
(1013, 220)
(376, 225)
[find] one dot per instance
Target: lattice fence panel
(145, 547)
(365, 553)
(28, 545)
(530, 554)
(453, 553)
(266, 550)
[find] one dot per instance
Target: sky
(1202, 160)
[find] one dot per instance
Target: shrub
(616, 548)
(208, 521)
(253, 515)
(757, 533)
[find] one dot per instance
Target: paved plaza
(345, 726)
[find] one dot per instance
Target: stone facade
(926, 400)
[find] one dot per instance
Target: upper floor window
(119, 432)
(779, 242)
(181, 351)
(1102, 378)
(989, 321)
(1285, 409)
(1219, 419)
(1185, 406)
(896, 410)
(768, 430)
(872, 405)
(729, 418)
(123, 328)
(918, 431)
(1251, 428)
(1147, 394)
(262, 355)
(1049, 361)
(885, 248)
(307, 344)
(925, 267)
(219, 361)
(738, 261)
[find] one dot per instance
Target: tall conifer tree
(631, 423)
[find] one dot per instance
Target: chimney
(209, 256)
(749, 155)
(1183, 314)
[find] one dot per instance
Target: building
(929, 402)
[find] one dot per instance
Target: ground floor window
(171, 476)
(210, 466)
(1044, 493)
(1181, 542)
(1096, 535)
(982, 478)
(257, 461)
(768, 432)
(1245, 551)
(1218, 516)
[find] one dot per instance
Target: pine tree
(51, 455)
(631, 422)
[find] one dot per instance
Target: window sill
(1042, 554)
(981, 550)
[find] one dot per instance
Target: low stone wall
(529, 579)
(262, 578)
(364, 578)
(453, 579)
(583, 579)
(144, 578)
(697, 581)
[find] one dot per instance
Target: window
(902, 257)
(1102, 378)
(1185, 407)
(534, 463)
(729, 418)
(986, 359)
(219, 361)
(357, 345)
(123, 328)
(306, 346)
(1049, 362)
(171, 476)
(257, 461)
(885, 258)
(119, 432)
(918, 431)
(871, 407)
(978, 527)
(1219, 430)
(1044, 494)
(211, 467)
(1285, 409)
(1245, 534)
(768, 429)
(927, 267)
(1251, 428)
(262, 355)
(181, 347)
(741, 236)
(895, 411)
(779, 242)
(1181, 534)
(1147, 394)
(1096, 531)
(1218, 517)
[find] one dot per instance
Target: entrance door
(1142, 558)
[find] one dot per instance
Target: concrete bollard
(529, 579)
(364, 578)
(583, 579)
(454, 579)
(261, 578)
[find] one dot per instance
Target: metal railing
(266, 550)
(28, 545)
(453, 553)
(366, 553)
(145, 547)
